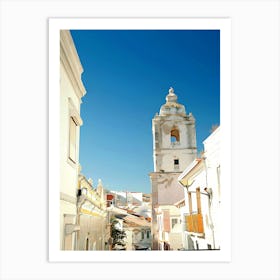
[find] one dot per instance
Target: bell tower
(174, 148)
(174, 136)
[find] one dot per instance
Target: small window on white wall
(176, 164)
(174, 221)
(72, 140)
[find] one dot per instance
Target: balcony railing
(194, 223)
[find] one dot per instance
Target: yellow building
(92, 215)
(71, 92)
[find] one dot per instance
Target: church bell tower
(174, 136)
(174, 148)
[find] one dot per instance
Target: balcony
(194, 223)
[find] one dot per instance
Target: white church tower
(174, 148)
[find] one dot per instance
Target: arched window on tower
(174, 135)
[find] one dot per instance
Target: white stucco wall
(212, 154)
(128, 239)
(71, 91)
(68, 169)
(124, 198)
(165, 151)
(206, 177)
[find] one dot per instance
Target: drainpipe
(210, 197)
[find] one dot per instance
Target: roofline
(189, 168)
(212, 134)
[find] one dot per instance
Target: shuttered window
(194, 220)
(194, 223)
(72, 139)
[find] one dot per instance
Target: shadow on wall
(190, 243)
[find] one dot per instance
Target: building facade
(127, 198)
(169, 227)
(201, 214)
(133, 209)
(174, 148)
(92, 216)
(71, 92)
(138, 233)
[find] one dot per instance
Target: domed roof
(172, 107)
(171, 96)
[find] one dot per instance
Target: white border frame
(55, 25)
(24, 92)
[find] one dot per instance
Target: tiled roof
(137, 221)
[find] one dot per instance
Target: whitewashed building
(169, 227)
(138, 231)
(174, 148)
(137, 228)
(201, 214)
(127, 198)
(71, 92)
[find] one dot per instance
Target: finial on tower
(171, 96)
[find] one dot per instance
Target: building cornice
(71, 62)
(68, 198)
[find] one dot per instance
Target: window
(194, 220)
(142, 235)
(72, 139)
(148, 234)
(74, 121)
(174, 221)
(174, 136)
(176, 164)
(173, 139)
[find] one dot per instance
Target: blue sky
(127, 74)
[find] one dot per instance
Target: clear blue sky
(127, 75)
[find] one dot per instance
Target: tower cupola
(172, 107)
(171, 96)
